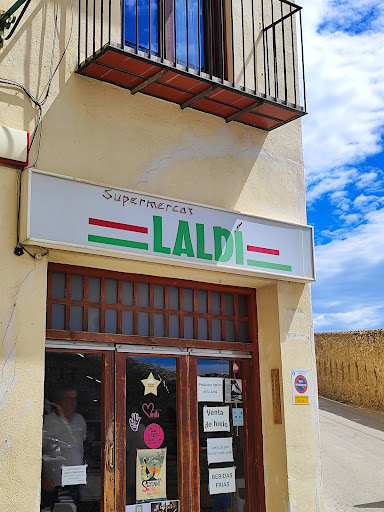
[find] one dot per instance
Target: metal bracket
(149, 81)
(245, 110)
(193, 100)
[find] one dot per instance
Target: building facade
(155, 267)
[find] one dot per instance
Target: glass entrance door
(183, 440)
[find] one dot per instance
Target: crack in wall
(151, 171)
(8, 377)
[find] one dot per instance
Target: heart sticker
(148, 409)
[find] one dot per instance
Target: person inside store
(64, 433)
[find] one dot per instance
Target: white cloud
(345, 84)
(355, 319)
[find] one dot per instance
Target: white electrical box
(14, 146)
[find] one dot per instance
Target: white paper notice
(73, 475)
(216, 419)
(209, 389)
(141, 507)
(222, 480)
(219, 449)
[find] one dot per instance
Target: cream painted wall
(100, 132)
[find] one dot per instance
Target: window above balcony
(241, 60)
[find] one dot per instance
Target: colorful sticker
(236, 368)
(150, 410)
(151, 475)
(233, 390)
(166, 506)
(134, 421)
(154, 436)
(150, 385)
(238, 417)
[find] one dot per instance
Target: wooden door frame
(252, 393)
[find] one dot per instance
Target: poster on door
(151, 475)
(219, 449)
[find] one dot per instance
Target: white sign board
(222, 480)
(141, 507)
(209, 389)
(73, 475)
(216, 419)
(62, 212)
(219, 449)
(300, 386)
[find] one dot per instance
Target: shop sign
(62, 212)
(216, 419)
(222, 480)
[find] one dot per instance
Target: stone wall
(350, 367)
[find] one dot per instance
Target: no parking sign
(300, 386)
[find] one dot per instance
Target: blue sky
(344, 160)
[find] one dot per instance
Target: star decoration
(150, 384)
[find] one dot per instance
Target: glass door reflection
(151, 431)
(221, 435)
(72, 432)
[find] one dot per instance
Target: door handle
(111, 457)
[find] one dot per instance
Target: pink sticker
(150, 411)
(153, 436)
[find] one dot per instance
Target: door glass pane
(58, 285)
(94, 289)
(151, 464)
(58, 316)
(72, 431)
(221, 436)
(216, 304)
(111, 291)
(127, 293)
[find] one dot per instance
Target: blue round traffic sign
(301, 384)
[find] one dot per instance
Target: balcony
(241, 60)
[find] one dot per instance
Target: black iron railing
(251, 45)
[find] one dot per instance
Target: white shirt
(62, 444)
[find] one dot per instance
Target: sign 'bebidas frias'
(141, 226)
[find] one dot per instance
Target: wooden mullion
(181, 315)
(120, 307)
(102, 305)
(194, 434)
(236, 305)
(222, 303)
(183, 433)
(120, 431)
(135, 303)
(67, 300)
(166, 311)
(85, 300)
(209, 305)
(195, 315)
(108, 432)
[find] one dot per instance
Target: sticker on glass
(150, 385)
(233, 390)
(154, 436)
(166, 506)
(219, 449)
(150, 410)
(134, 421)
(209, 389)
(238, 417)
(216, 419)
(151, 475)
